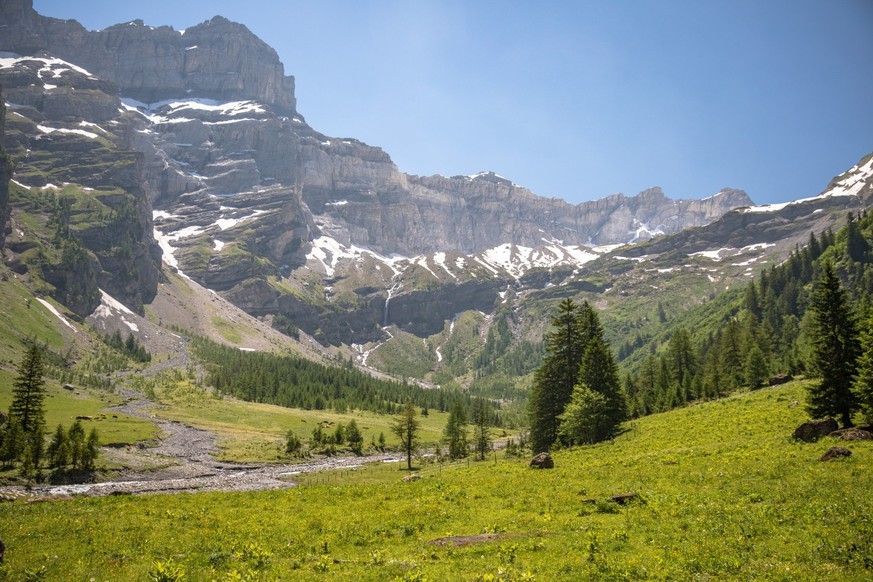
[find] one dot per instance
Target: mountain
(140, 151)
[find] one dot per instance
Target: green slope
(726, 495)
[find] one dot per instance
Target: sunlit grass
(726, 495)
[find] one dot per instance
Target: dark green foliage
(481, 433)
(28, 392)
(864, 378)
(835, 350)
(406, 427)
(554, 379)
(584, 418)
(129, 347)
(576, 354)
(293, 444)
(599, 373)
(455, 432)
(297, 382)
(355, 438)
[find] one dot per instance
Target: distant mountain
(139, 150)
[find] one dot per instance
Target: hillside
(724, 494)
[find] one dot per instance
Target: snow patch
(57, 314)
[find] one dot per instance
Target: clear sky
(572, 99)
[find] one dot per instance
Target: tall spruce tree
(599, 373)
(554, 380)
(28, 394)
(835, 349)
(864, 378)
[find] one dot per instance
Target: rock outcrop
(217, 58)
(813, 430)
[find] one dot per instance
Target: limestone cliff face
(5, 176)
(208, 149)
(217, 58)
(65, 134)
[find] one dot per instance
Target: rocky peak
(216, 59)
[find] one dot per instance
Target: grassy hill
(725, 494)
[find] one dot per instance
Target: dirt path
(184, 459)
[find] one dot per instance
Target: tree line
(296, 382)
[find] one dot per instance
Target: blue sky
(572, 99)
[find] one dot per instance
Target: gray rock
(835, 453)
(542, 461)
(815, 429)
(852, 434)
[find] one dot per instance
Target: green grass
(23, 317)
(63, 406)
(727, 495)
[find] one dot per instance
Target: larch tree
(406, 426)
(835, 349)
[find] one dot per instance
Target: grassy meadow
(255, 432)
(726, 494)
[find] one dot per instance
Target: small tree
(293, 443)
(76, 439)
(455, 432)
(91, 450)
(355, 438)
(585, 417)
(406, 427)
(481, 432)
(59, 449)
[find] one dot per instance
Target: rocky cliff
(196, 134)
(217, 58)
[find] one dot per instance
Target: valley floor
(725, 494)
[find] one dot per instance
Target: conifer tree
(864, 379)
(599, 373)
(481, 433)
(834, 350)
(406, 427)
(355, 438)
(455, 432)
(28, 393)
(554, 379)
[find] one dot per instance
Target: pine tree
(355, 438)
(455, 432)
(406, 426)
(864, 379)
(28, 393)
(554, 379)
(599, 373)
(481, 433)
(834, 350)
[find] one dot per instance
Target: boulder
(852, 434)
(835, 453)
(542, 461)
(813, 430)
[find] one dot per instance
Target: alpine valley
(164, 184)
